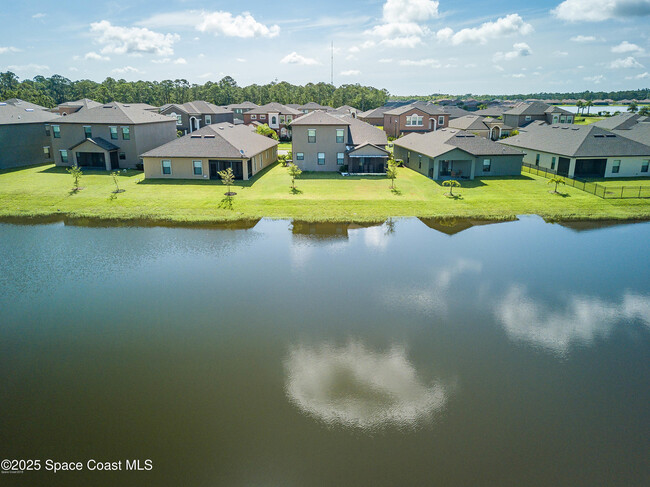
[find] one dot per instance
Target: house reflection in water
(327, 230)
(452, 226)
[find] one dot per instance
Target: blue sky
(405, 46)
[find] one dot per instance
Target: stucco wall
(325, 142)
(22, 145)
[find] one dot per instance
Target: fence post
(639, 191)
(622, 188)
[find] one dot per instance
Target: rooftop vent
(195, 136)
(599, 136)
(220, 128)
(2, 104)
(610, 136)
(29, 109)
(208, 136)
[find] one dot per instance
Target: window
(281, 118)
(88, 131)
(113, 132)
(616, 167)
(419, 161)
(537, 160)
(340, 158)
(644, 166)
(198, 168)
(441, 120)
(253, 117)
(339, 136)
(562, 119)
(179, 118)
(56, 131)
(487, 165)
(527, 118)
(262, 117)
(64, 156)
(166, 167)
(274, 121)
(208, 119)
(289, 118)
(46, 152)
(47, 129)
(321, 158)
(414, 121)
(300, 156)
(569, 120)
(122, 156)
(552, 162)
(126, 133)
(311, 136)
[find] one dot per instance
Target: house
(74, 106)
(193, 115)
(276, 116)
(495, 111)
(328, 142)
(213, 148)
(489, 128)
(456, 154)
(416, 117)
(312, 106)
(145, 106)
(524, 113)
(17, 102)
(24, 135)
(345, 110)
(454, 111)
(238, 109)
(375, 116)
(584, 151)
(629, 125)
(109, 137)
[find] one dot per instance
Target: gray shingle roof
(198, 107)
(434, 144)
(469, 122)
(535, 108)
(375, 112)
(455, 112)
(10, 115)
(82, 103)
(275, 108)
(17, 102)
(114, 113)
(217, 140)
(426, 107)
(576, 141)
(312, 105)
(243, 105)
(639, 132)
(620, 121)
(99, 142)
(319, 118)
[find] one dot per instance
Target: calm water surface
(413, 353)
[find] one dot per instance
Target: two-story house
(524, 113)
(418, 117)
(109, 137)
(327, 142)
(193, 115)
(276, 116)
(238, 109)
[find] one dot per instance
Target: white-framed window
(47, 129)
(441, 120)
(537, 159)
(197, 168)
(113, 131)
(414, 120)
(569, 120)
(300, 156)
(487, 165)
(88, 131)
(262, 117)
(281, 118)
(562, 119)
(64, 156)
(311, 136)
(340, 158)
(289, 118)
(644, 165)
(46, 152)
(274, 121)
(126, 133)
(340, 136)
(553, 159)
(122, 156)
(166, 165)
(208, 119)
(616, 166)
(527, 118)
(253, 117)
(56, 131)
(321, 158)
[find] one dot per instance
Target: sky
(409, 47)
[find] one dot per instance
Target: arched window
(274, 120)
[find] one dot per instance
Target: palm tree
(580, 105)
(557, 180)
(451, 184)
(588, 105)
(632, 108)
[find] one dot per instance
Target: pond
(416, 352)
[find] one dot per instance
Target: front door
(115, 165)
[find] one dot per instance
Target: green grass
(284, 146)
(44, 191)
(587, 120)
(618, 182)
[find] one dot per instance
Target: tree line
(57, 89)
(584, 95)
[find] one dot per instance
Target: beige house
(203, 153)
(489, 128)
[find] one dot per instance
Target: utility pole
(332, 66)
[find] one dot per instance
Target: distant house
(455, 154)
(213, 148)
(74, 106)
(17, 102)
(489, 128)
(193, 115)
(238, 109)
(110, 136)
(495, 111)
(524, 113)
(24, 135)
(584, 151)
(416, 117)
(276, 116)
(455, 112)
(312, 106)
(345, 110)
(375, 116)
(329, 142)
(629, 125)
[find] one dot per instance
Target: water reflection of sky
(354, 386)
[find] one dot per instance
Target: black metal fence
(605, 192)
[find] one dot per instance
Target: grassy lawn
(618, 182)
(45, 191)
(587, 120)
(284, 146)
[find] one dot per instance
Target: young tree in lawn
(451, 184)
(391, 172)
(227, 178)
(557, 180)
(294, 172)
(76, 173)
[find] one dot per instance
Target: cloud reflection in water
(357, 387)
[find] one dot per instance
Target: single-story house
(584, 151)
(456, 154)
(524, 113)
(213, 148)
(489, 128)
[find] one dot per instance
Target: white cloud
(625, 63)
(386, 60)
(350, 72)
(205, 75)
(28, 67)
(164, 60)
(599, 10)
(39, 15)
(351, 57)
(410, 10)
(502, 27)
(96, 57)
(498, 68)
(409, 41)
(560, 53)
(583, 38)
(421, 62)
(295, 58)
(645, 75)
(217, 22)
(180, 60)
(625, 46)
(126, 69)
(4, 50)
(354, 49)
(132, 40)
(519, 75)
(520, 49)
(240, 60)
(72, 68)
(595, 79)
(402, 19)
